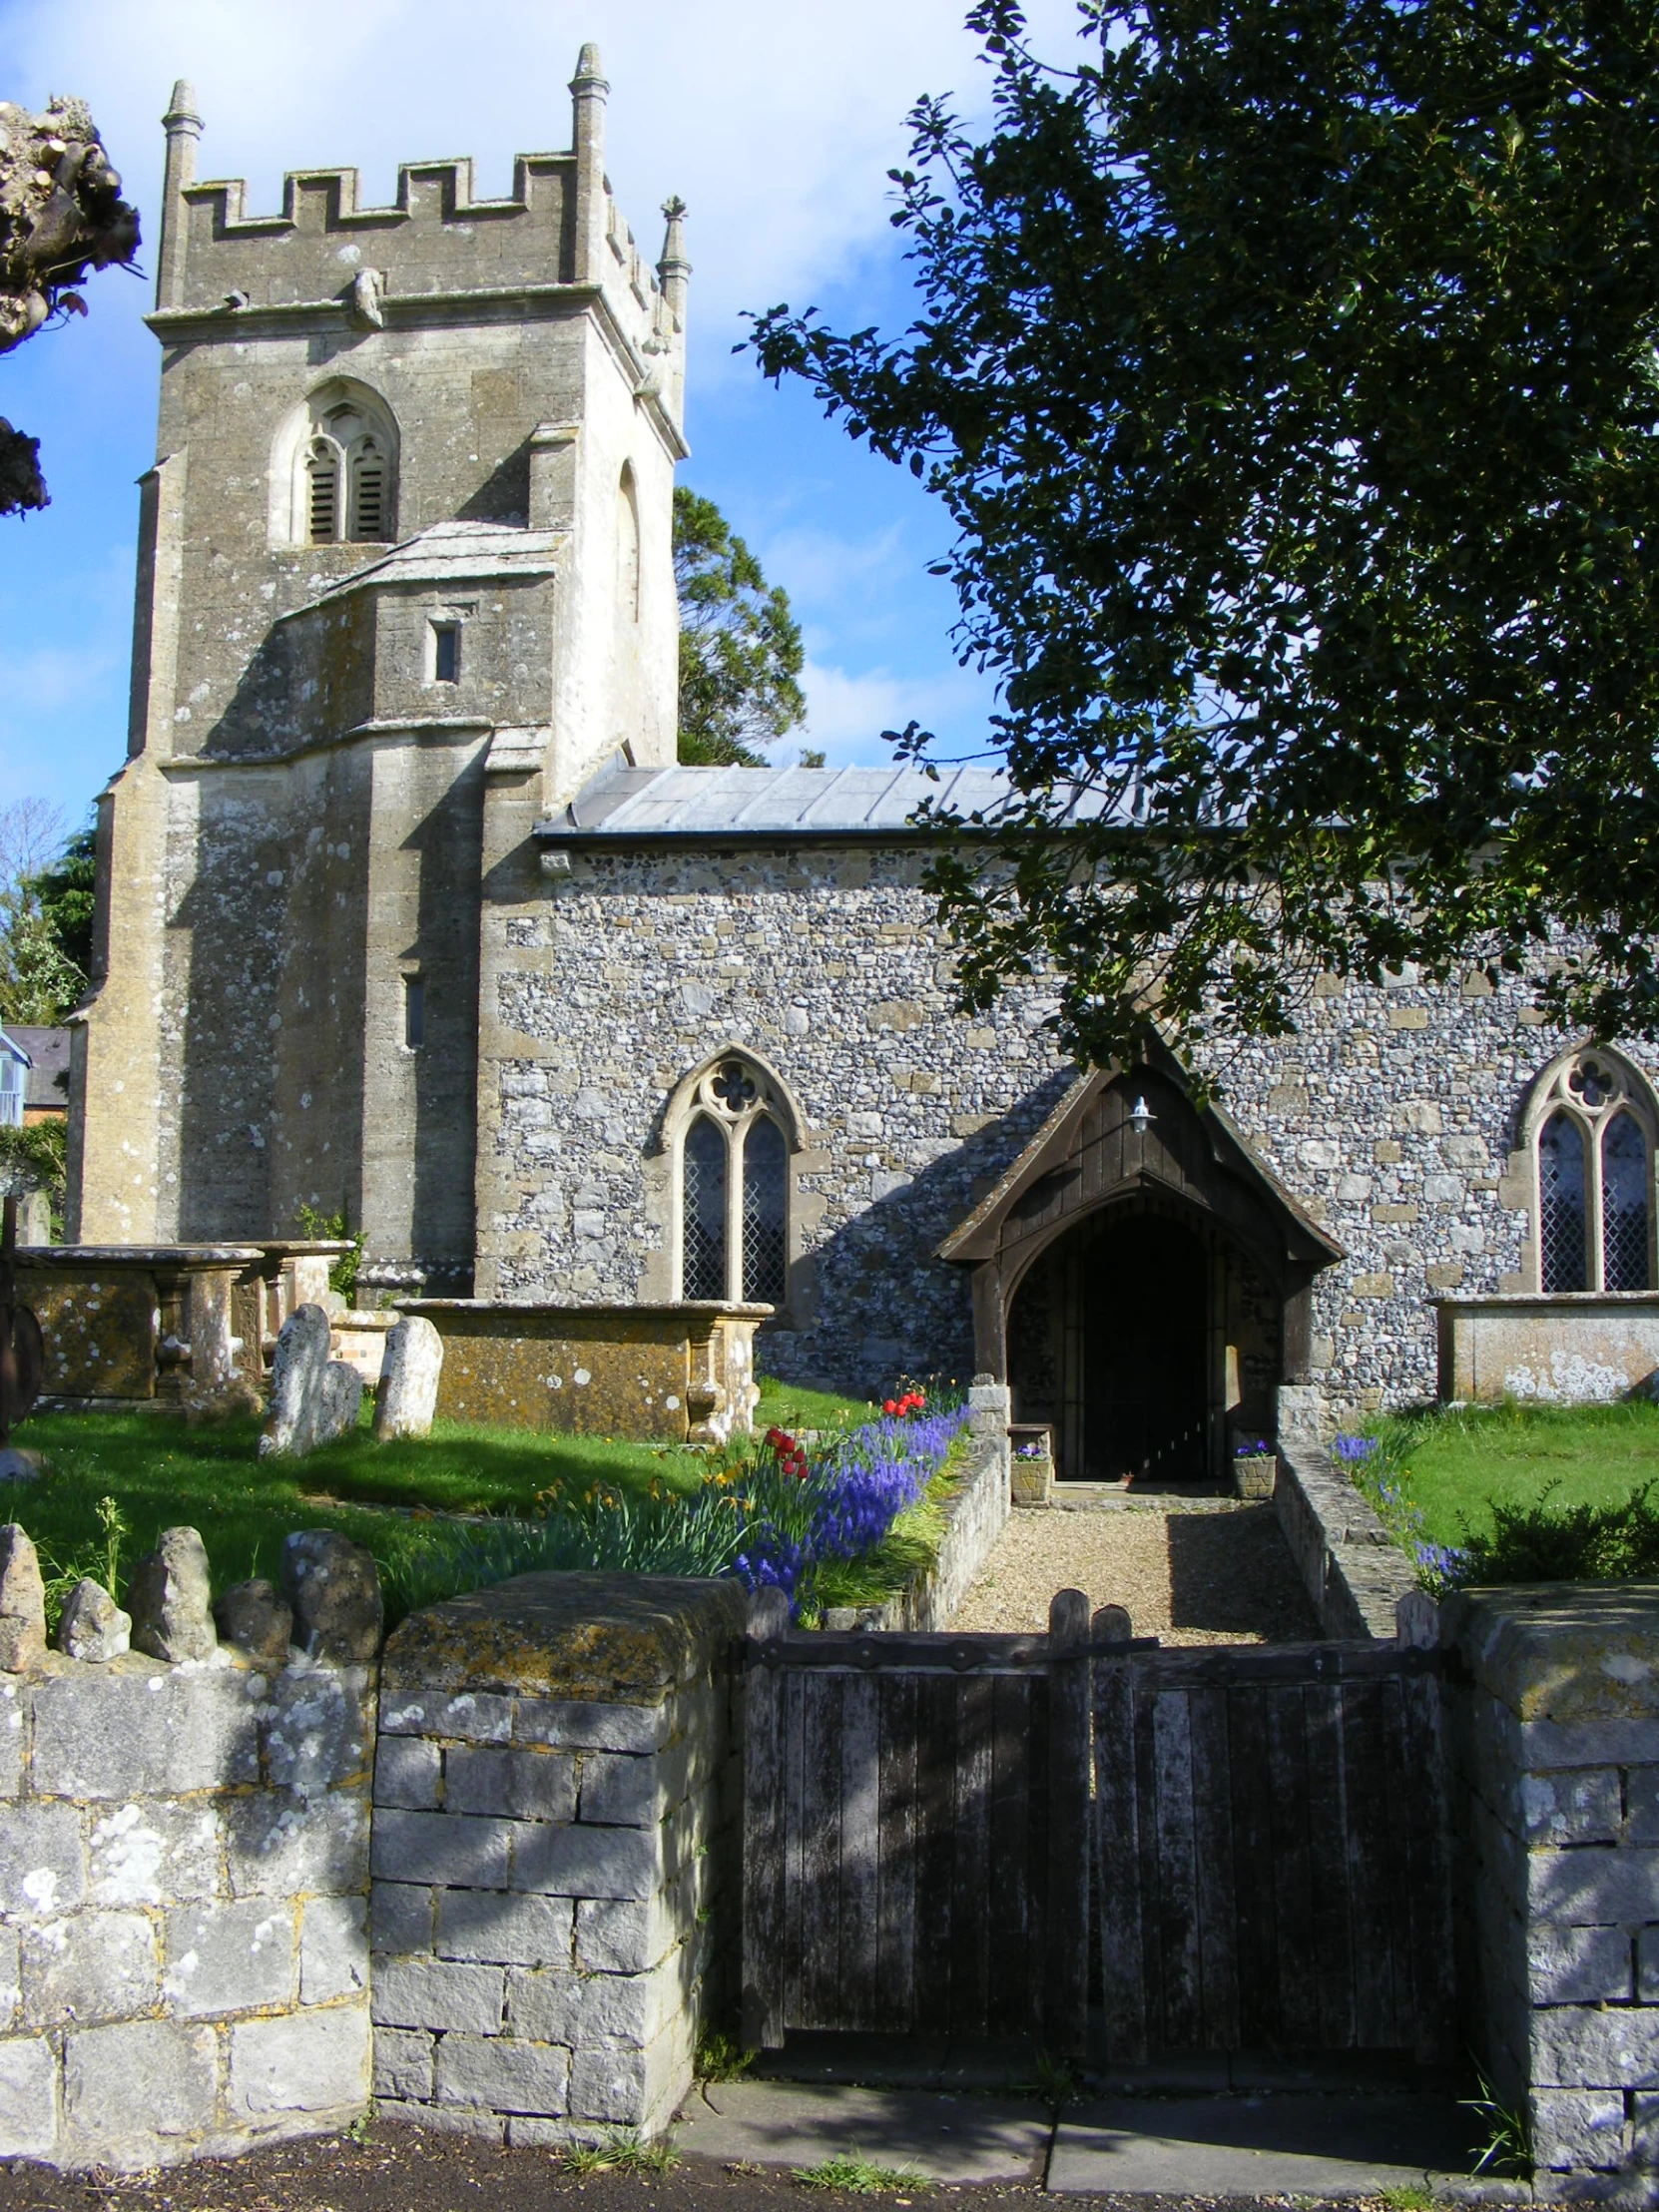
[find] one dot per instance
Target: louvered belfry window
(368, 493)
(323, 469)
(1594, 1125)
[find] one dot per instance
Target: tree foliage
(61, 217)
(1288, 369)
(739, 647)
(47, 884)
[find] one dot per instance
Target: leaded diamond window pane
(1561, 1209)
(702, 1266)
(764, 1169)
(1625, 1205)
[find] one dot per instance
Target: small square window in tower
(447, 652)
(415, 1013)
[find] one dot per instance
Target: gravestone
(313, 1399)
(409, 1393)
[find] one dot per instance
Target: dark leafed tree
(1288, 369)
(61, 217)
(739, 647)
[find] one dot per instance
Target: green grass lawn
(162, 1472)
(1462, 1462)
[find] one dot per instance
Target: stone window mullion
(734, 1209)
(1597, 1227)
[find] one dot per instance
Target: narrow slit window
(1624, 1230)
(415, 1013)
(764, 1177)
(1561, 1207)
(702, 1266)
(446, 653)
(323, 493)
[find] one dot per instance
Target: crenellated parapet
(438, 244)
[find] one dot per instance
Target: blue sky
(777, 125)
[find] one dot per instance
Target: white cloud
(777, 124)
(847, 714)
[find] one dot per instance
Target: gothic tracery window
(734, 1187)
(1593, 1131)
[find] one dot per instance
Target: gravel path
(1223, 1577)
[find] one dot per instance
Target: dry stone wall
(1554, 1733)
(184, 1876)
(557, 1853)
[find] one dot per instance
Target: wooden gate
(1267, 1832)
(915, 1831)
(1272, 1855)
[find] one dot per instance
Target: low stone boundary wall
(975, 1515)
(184, 1876)
(1553, 1735)
(1352, 1568)
(557, 1853)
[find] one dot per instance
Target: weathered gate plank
(795, 1734)
(936, 1850)
(1177, 1871)
(820, 1850)
(860, 1844)
(1065, 1975)
(1299, 2009)
(1019, 1711)
(972, 1861)
(1365, 1776)
(1328, 1858)
(1253, 1869)
(1432, 1985)
(1146, 1803)
(895, 1994)
(764, 1831)
(1117, 1863)
(1213, 1851)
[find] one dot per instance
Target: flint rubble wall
(184, 1876)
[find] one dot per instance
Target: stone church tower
(405, 582)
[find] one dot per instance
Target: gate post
(763, 1828)
(1066, 1979)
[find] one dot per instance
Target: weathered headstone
(17, 1465)
(92, 1626)
(22, 1602)
(169, 1599)
(333, 1586)
(313, 1399)
(409, 1393)
(257, 1619)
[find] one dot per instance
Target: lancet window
(734, 1184)
(1593, 1125)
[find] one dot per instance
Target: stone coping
(1562, 1651)
(694, 1308)
(620, 1639)
(139, 1256)
(1533, 1302)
